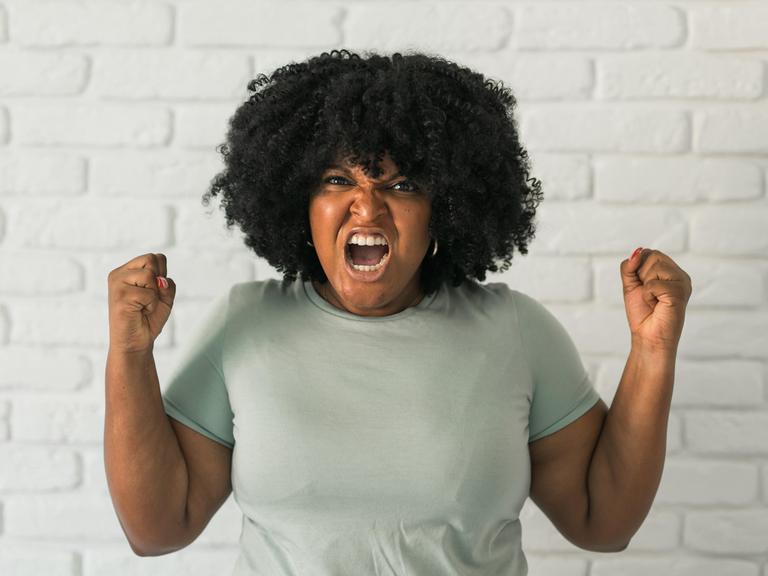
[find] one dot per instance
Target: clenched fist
(139, 306)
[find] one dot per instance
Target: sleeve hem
(587, 400)
(176, 414)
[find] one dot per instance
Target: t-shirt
(386, 445)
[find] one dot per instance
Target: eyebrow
(343, 169)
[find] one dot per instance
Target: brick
(729, 230)
(711, 483)
(535, 76)
(171, 74)
(441, 26)
(200, 228)
(41, 173)
(91, 22)
(42, 370)
(42, 74)
(569, 129)
(552, 77)
(37, 469)
(239, 23)
(704, 564)
(645, 76)
(72, 516)
(563, 176)
(92, 225)
(4, 131)
(765, 482)
(57, 420)
(202, 126)
(725, 26)
(94, 476)
(742, 131)
(561, 229)
(598, 26)
(3, 25)
(548, 564)
(23, 559)
(153, 174)
(719, 334)
(579, 321)
(5, 434)
(539, 278)
(721, 432)
(675, 180)
(93, 124)
(726, 531)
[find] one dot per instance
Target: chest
(406, 428)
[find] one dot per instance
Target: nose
(368, 202)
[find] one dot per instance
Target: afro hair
(445, 127)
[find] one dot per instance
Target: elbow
(606, 548)
(148, 551)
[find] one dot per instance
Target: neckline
(325, 306)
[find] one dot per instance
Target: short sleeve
(196, 394)
(562, 389)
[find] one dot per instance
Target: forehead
(386, 164)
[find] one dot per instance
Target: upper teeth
(367, 240)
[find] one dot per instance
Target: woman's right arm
(166, 480)
(145, 465)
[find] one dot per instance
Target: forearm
(146, 471)
(628, 462)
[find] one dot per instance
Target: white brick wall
(647, 123)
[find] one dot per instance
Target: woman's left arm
(626, 467)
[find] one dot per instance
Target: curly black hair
(446, 128)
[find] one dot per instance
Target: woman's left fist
(656, 293)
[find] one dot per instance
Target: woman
(386, 413)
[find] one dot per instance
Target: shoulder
(251, 292)
(484, 295)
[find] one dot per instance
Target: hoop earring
(309, 243)
(434, 250)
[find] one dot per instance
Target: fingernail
(162, 282)
(636, 252)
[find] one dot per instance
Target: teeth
(361, 240)
(362, 268)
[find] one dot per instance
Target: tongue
(367, 255)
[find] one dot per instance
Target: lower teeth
(363, 268)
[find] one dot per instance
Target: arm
(145, 468)
(626, 468)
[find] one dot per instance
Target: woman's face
(345, 200)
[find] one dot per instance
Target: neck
(327, 294)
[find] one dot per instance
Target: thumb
(629, 277)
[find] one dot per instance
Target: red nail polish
(635, 253)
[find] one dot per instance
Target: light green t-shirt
(391, 445)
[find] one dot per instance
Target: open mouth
(367, 259)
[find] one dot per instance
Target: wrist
(654, 349)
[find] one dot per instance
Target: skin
(347, 198)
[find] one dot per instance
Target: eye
(413, 187)
(334, 178)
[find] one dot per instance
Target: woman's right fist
(138, 306)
